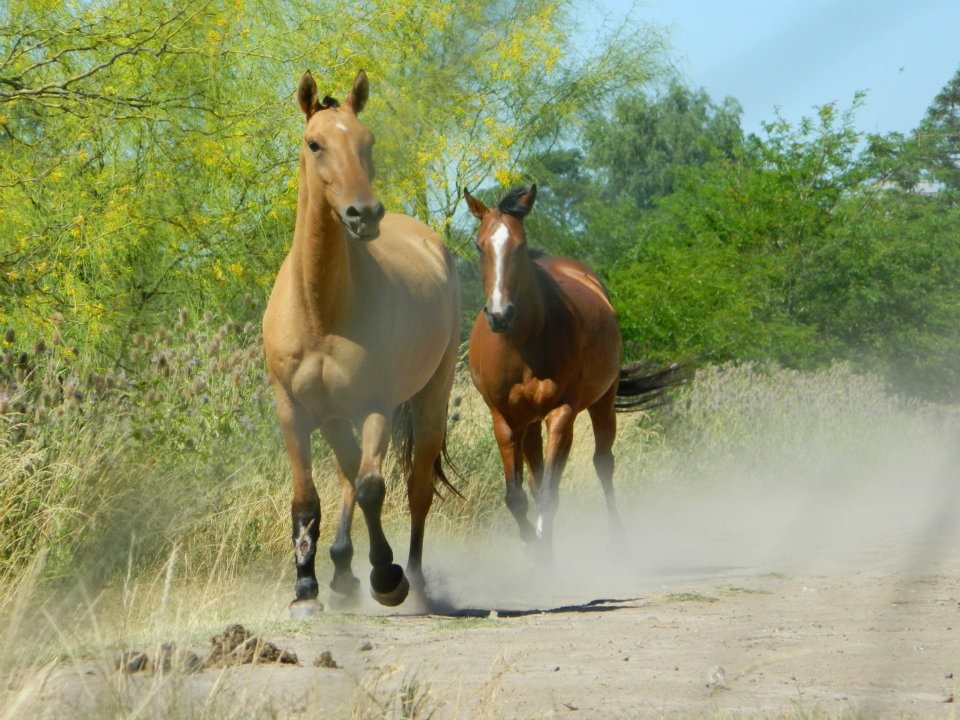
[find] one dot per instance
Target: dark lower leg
(344, 582)
(516, 500)
(385, 576)
(603, 463)
(306, 529)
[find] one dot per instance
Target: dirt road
(719, 610)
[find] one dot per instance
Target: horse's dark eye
(314, 146)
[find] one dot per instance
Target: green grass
(688, 597)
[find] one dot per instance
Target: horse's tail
(641, 387)
(402, 435)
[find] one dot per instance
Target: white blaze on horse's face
(499, 240)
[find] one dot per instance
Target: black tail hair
(640, 387)
(402, 436)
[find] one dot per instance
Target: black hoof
(305, 608)
(344, 592)
(388, 585)
(345, 584)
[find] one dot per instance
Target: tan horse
(361, 334)
(545, 347)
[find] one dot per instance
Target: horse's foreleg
(339, 435)
(533, 455)
(510, 445)
(305, 506)
(604, 419)
(559, 422)
(388, 584)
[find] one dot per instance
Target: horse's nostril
(365, 213)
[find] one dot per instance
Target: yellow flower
(504, 177)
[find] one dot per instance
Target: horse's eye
(314, 146)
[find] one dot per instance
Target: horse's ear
(307, 94)
(528, 199)
(477, 208)
(359, 93)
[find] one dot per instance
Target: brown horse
(545, 347)
(361, 334)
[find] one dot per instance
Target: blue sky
(798, 54)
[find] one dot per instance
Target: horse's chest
(534, 396)
(337, 384)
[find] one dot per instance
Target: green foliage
(139, 168)
(938, 136)
(714, 268)
(148, 152)
(647, 140)
(798, 249)
(885, 289)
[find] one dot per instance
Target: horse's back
(584, 288)
(598, 333)
(411, 252)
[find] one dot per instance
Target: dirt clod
(166, 658)
(237, 646)
(234, 646)
(325, 660)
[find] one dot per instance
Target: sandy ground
(729, 607)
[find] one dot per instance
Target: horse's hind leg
(388, 584)
(339, 436)
(429, 417)
(604, 419)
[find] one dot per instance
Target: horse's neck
(533, 302)
(322, 263)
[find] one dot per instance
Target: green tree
(625, 158)
(640, 148)
(133, 172)
(148, 150)
(800, 250)
(714, 269)
(939, 135)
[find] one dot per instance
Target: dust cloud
(882, 497)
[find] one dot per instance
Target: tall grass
(122, 489)
(104, 474)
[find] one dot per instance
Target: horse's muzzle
(362, 221)
(500, 321)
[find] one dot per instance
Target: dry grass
(146, 503)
